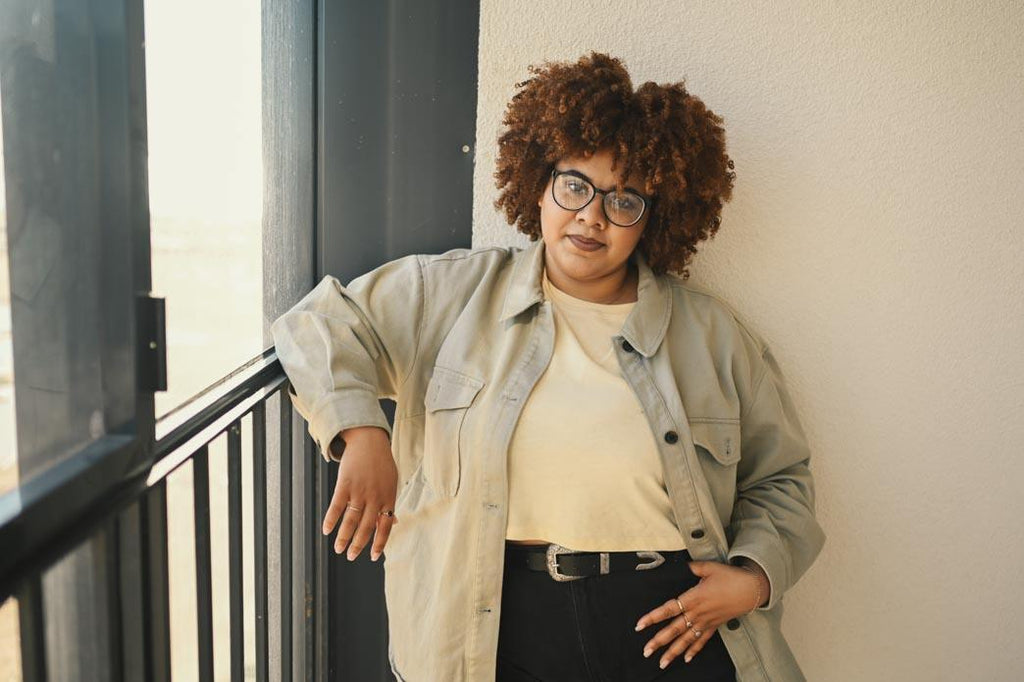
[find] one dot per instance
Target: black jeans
(582, 630)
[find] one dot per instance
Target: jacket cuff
(770, 562)
(340, 411)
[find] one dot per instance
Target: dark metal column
(289, 217)
(396, 129)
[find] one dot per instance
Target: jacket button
(627, 346)
(671, 436)
(733, 624)
(697, 534)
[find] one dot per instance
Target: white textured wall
(875, 239)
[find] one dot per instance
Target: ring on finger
(696, 633)
(682, 611)
(349, 506)
(387, 512)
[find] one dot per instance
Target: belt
(564, 564)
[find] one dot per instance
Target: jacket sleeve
(773, 520)
(345, 347)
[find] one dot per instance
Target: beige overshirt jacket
(458, 340)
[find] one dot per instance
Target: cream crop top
(583, 466)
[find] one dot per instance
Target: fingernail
(647, 653)
(663, 664)
(639, 627)
(350, 556)
(374, 556)
(688, 657)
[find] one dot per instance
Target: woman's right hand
(367, 480)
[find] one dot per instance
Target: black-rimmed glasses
(573, 192)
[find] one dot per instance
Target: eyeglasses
(573, 192)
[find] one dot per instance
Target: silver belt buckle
(656, 560)
(554, 551)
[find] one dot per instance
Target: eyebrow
(584, 176)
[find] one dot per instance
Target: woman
(602, 474)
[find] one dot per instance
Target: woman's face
(570, 264)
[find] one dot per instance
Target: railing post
(33, 631)
(286, 532)
(204, 587)
(156, 621)
(259, 498)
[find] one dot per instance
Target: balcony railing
(132, 522)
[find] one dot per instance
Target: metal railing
(133, 520)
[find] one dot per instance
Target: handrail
(228, 399)
(49, 515)
(101, 493)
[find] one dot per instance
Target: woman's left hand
(724, 592)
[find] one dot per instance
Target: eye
(626, 202)
(577, 186)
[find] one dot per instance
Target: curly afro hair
(660, 133)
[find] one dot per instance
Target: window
(203, 100)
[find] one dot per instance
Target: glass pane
(68, 300)
(8, 437)
(77, 622)
(205, 184)
(10, 656)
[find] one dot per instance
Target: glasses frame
(604, 193)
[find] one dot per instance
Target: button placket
(537, 352)
(671, 437)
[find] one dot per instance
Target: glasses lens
(623, 208)
(572, 193)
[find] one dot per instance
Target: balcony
(152, 528)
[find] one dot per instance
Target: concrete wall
(875, 240)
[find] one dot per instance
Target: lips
(585, 244)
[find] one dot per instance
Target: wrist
(762, 584)
(355, 434)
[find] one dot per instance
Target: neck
(617, 287)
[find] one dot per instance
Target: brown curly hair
(661, 133)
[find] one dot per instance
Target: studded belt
(564, 564)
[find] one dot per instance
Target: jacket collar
(646, 324)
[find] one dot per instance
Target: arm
(345, 347)
(773, 526)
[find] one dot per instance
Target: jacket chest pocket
(718, 453)
(717, 442)
(449, 395)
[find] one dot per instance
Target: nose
(593, 214)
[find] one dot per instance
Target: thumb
(701, 569)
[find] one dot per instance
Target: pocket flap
(449, 389)
(721, 439)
